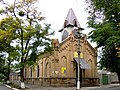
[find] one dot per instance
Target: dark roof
(70, 20)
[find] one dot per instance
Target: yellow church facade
(59, 68)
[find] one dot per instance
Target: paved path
(104, 87)
(3, 87)
(107, 88)
(38, 87)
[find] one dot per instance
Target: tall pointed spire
(70, 20)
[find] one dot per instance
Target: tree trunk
(22, 58)
(8, 75)
(22, 75)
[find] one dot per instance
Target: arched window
(30, 71)
(65, 35)
(91, 70)
(38, 71)
(64, 65)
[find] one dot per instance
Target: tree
(104, 19)
(7, 32)
(29, 37)
(3, 68)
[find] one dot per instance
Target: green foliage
(103, 34)
(2, 76)
(22, 35)
(3, 68)
(104, 19)
(7, 32)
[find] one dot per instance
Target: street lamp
(77, 35)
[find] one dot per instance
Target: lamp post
(78, 50)
(77, 35)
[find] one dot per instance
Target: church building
(60, 67)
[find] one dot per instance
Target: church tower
(70, 24)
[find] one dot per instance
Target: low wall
(52, 81)
(61, 81)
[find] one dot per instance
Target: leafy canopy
(23, 35)
(104, 19)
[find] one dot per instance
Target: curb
(110, 85)
(11, 87)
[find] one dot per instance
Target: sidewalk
(37, 87)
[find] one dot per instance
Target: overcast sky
(56, 11)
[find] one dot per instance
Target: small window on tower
(65, 35)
